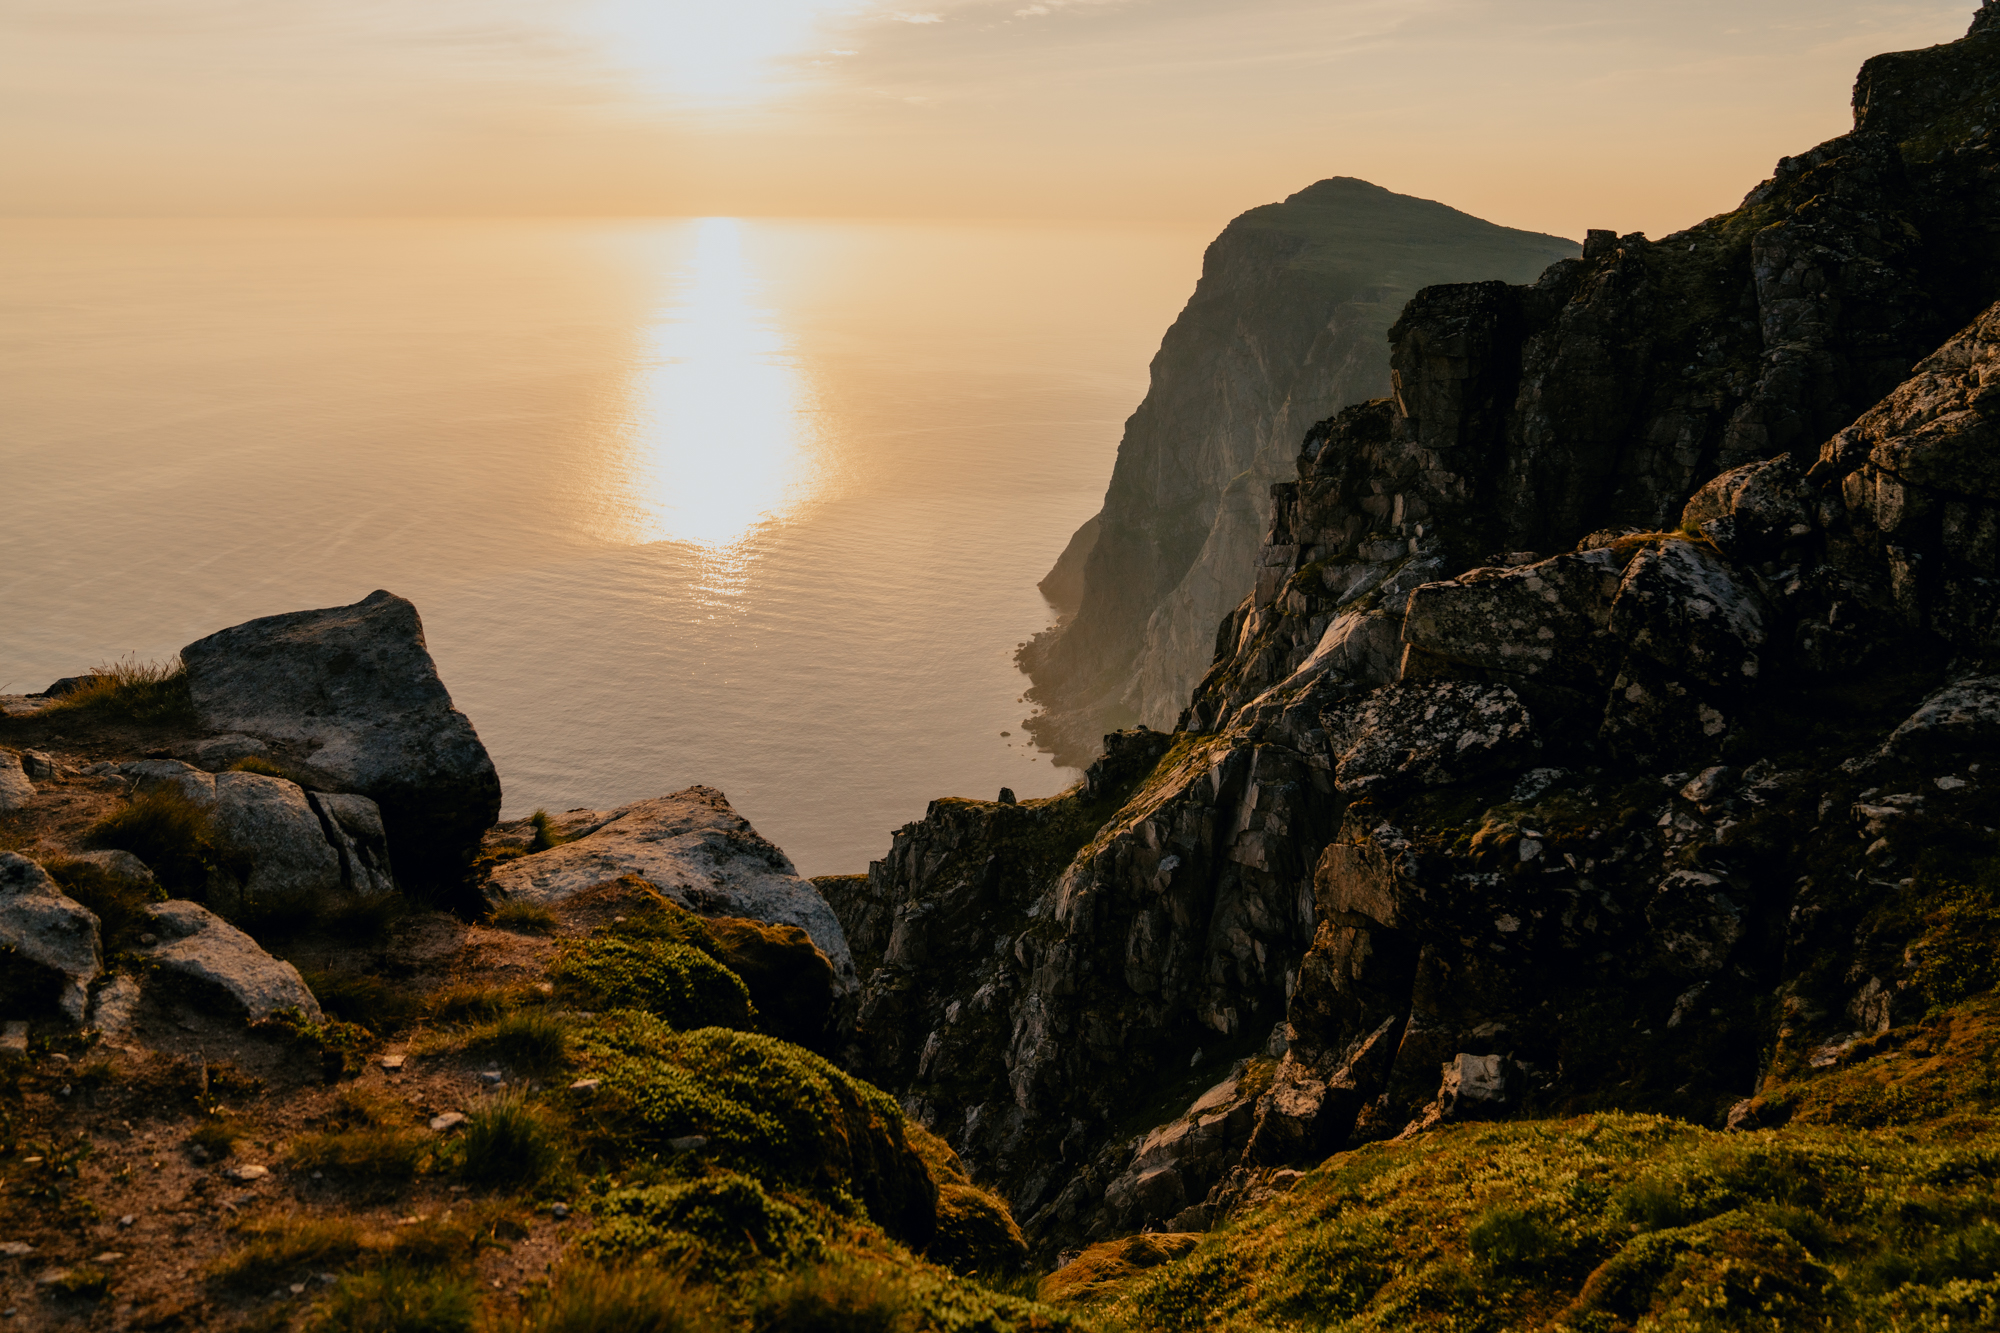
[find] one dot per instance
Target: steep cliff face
(1284, 326)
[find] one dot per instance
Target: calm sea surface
(753, 504)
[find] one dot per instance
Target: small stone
(559, 1211)
(149, 938)
(14, 1039)
(449, 1120)
(128, 1219)
(199, 1153)
(319, 1175)
(248, 1173)
(298, 1289)
(15, 1249)
(545, 988)
(53, 1276)
(586, 1085)
(391, 1063)
(688, 1143)
(1951, 784)
(492, 1076)
(617, 920)
(328, 1279)
(109, 1257)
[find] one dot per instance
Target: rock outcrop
(349, 697)
(196, 944)
(49, 946)
(1284, 326)
(15, 788)
(1606, 709)
(693, 848)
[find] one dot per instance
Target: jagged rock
(1429, 733)
(196, 943)
(219, 752)
(1683, 608)
(353, 824)
(697, 851)
(42, 927)
(15, 789)
(350, 695)
(1306, 1115)
(115, 1007)
(1473, 1087)
(119, 865)
(1754, 511)
(1541, 620)
(38, 766)
(1695, 921)
(1177, 1163)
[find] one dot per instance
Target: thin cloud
(918, 18)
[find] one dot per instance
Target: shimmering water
(754, 504)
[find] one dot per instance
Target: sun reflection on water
(721, 423)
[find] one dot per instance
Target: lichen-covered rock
(1543, 620)
(42, 928)
(1752, 512)
(350, 694)
(1424, 733)
(697, 851)
(1683, 608)
(1962, 718)
(197, 944)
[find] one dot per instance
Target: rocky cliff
(1284, 327)
(1605, 726)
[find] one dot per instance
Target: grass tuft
(173, 835)
(133, 690)
(118, 902)
(524, 918)
(837, 1298)
(474, 1002)
(533, 1042)
(546, 836)
(359, 997)
(400, 1299)
(507, 1143)
(589, 1299)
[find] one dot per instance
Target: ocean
(755, 504)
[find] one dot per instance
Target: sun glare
(708, 52)
(721, 419)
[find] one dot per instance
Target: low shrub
(589, 1299)
(172, 834)
(216, 1135)
(155, 692)
(711, 1226)
(836, 1298)
(674, 981)
(767, 1108)
(1504, 1239)
(400, 1299)
(507, 1143)
(524, 918)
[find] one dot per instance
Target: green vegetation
(400, 1299)
(975, 1231)
(760, 1106)
(524, 918)
(476, 1002)
(84, 1283)
(119, 902)
(679, 983)
(533, 1042)
(169, 832)
(372, 1141)
(709, 1226)
(588, 1299)
(134, 691)
(365, 999)
(546, 836)
(507, 1143)
(1617, 1221)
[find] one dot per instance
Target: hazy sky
(1556, 115)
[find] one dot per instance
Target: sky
(1553, 115)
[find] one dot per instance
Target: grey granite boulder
(1963, 718)
(351, 696)
(1683, 607)
(1541, 620)
(15, 789)
(118, 865)
(1423, 733)
(696, 850)
(41, 926)
(197, 943)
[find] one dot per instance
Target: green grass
(711, 1226)
(508, 1143)
(360, 997)
(531, 1042)
(131, 690)
(476, 1002)
(172, 834)
(676, 982)
(590, 1299)
(546, 836)
(388, 1157)
(400, 1299)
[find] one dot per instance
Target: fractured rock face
(41, 926)
(1962, 718)
(1543, 620)
(1427, 733)
(696, 850)
(15, 789)
(197, 943)
(1685, 609)
(350, 694)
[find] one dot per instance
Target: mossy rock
(673, 981)
(764, 1107)
(714, 1225)
(976, 1231)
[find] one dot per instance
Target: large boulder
(1543, 620)
(697, 851)
(350, 696)
(41, 927)
(1683, 607)
(196, 943)
(1962, 718)
(1428, 733)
